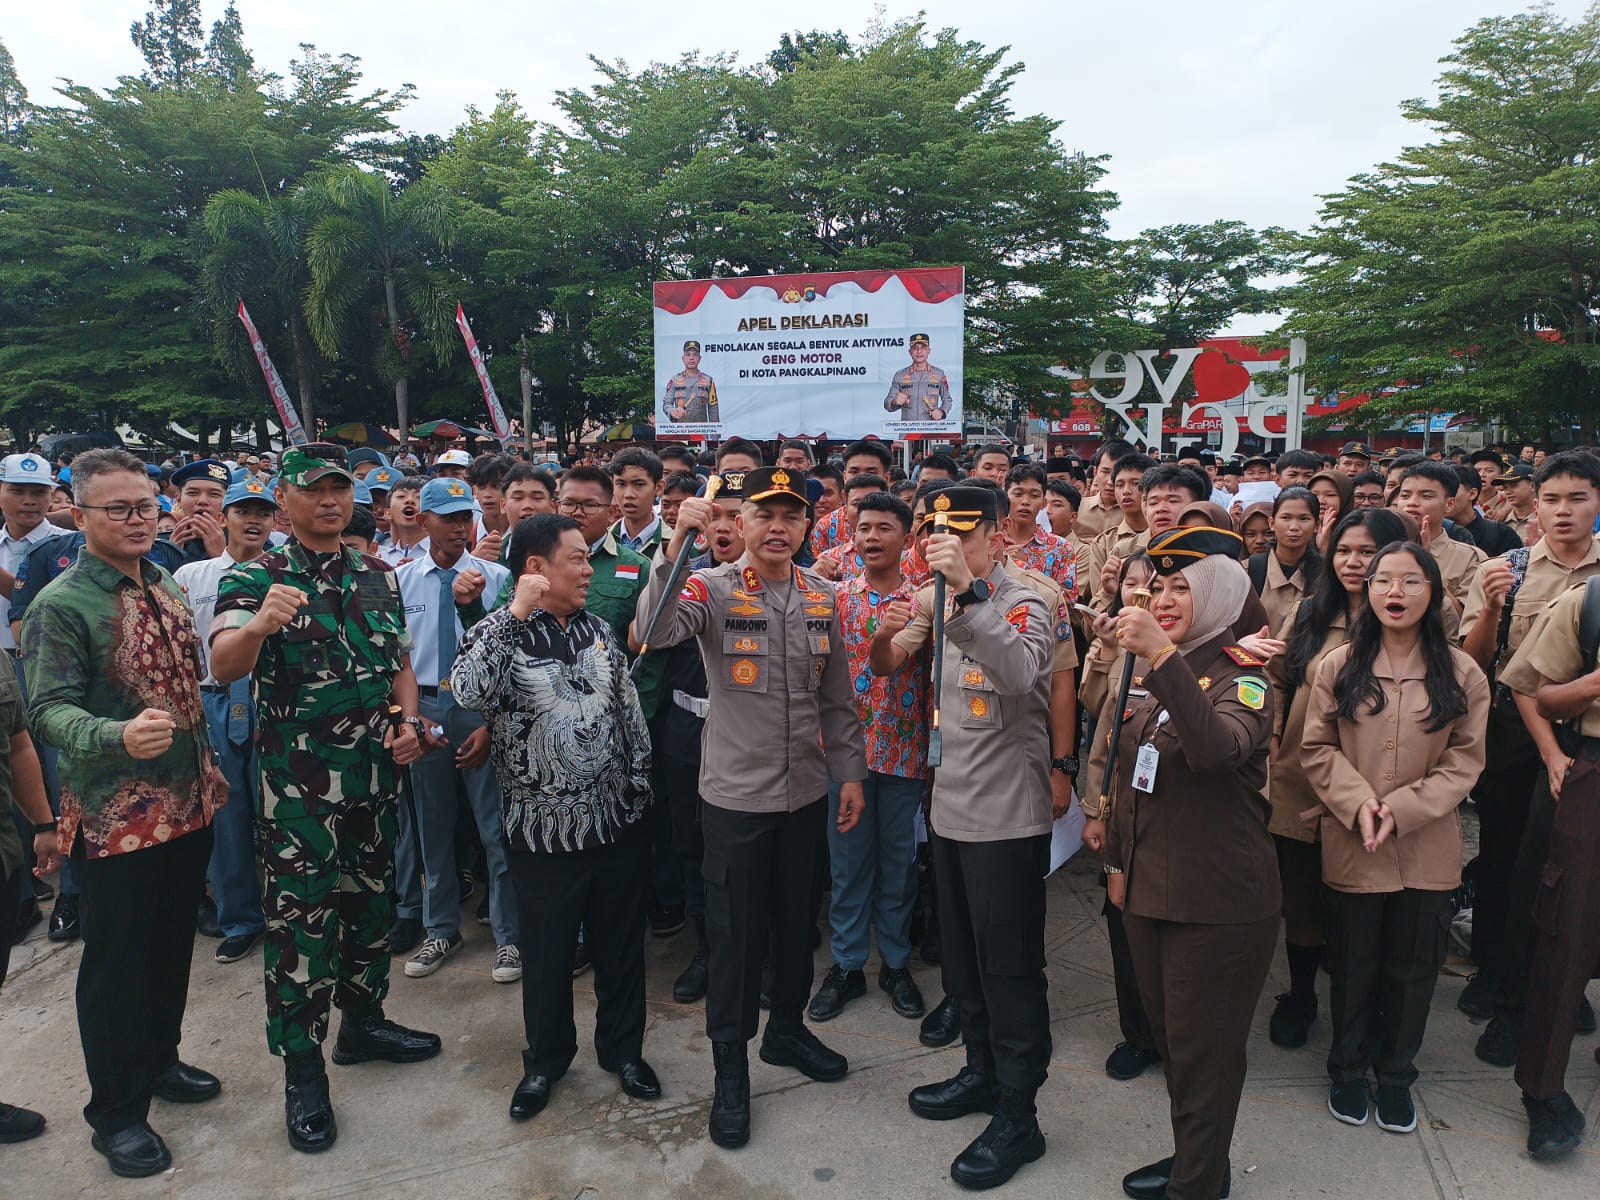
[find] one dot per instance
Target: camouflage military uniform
(696, 393)
(328, 786)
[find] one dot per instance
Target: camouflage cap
(304, 465)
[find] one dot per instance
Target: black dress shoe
(797, 1047)
(1585, 1015)
(639, 1080)
(692, 984)
(943, 1025)
(997, 1153)
(1481, 995)
(308, 1115)
(838, 987)
(135, 1152)
(968, 1092)
(1128, 1061)
(905, 997)
(1290, 1026)
(19, 1124)
(1150, 1183)
(64, 926)
(1497, 1044)
(1555, 1126)
(730, 1098)
(205, 919)
(364, 1039)
(183, 1084)
(532, 1094)
(405, 935)
(666, 919)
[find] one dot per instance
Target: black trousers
(1131, 1016)
(138, 916)
(679, 784)
(605, 890)
(1520, 938)
(1503, 795)
(991, 917)
(1384, 953)
(760, 871)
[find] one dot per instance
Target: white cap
(453, 458)
(27, 468)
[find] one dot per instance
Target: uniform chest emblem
(1205, 683)
(819, 610)
(973, 679)
(1252, 692)
(978, 706)
(746, 645)
(818, 597)
(745, 672)
(746, 609)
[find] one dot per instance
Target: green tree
(1466, 274)
(169, 38)
(1179, 284)
(13, 100)
(226, 57)
(370, 248)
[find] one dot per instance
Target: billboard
(841, 353)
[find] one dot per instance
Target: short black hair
(1405, 462)
(876, 483)
(407, 483)
(1368, 478)
(522, 471)
(682, 481)
(878, 450)
(362, 524)
(1467, 477)
(826, 470)
(797, 444)
(1132, 461)
(1027, 472)
(886, 502)
(677, 452)
(1299, 459)
(739, 445)
(636, 456)
(1580, 464)
(1177, 475)
(1060, 487)
(1115, 448)
(538, 535)
(990, 448)
(582, 474)
(1437, 472)
(942, 462)
(488, 470)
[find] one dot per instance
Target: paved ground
(439, 1129)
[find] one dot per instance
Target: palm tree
(255, 250)
(368, 241)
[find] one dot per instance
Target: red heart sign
(1217, 379)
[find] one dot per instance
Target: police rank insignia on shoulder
(1252, 691)
(1242, 656)
(1018, 618)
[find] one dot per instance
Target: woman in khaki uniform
(1394, 740)
(1188, 855)
(1321, 622)
(1282, 574)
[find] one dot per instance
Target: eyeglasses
(1410, 585)
(582, 506)
(123, 513)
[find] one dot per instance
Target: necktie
(447, 635)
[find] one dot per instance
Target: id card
(1144, 768)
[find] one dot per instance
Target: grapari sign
(1226, 395)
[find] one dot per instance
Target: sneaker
(1497, 1044)
(232, 949)
(1480, 996)
(483, 909)
(1396, 1112)
(1555, 1126)
(1128, 1061)
(432, 955)
(507, 964)
(1348, 1102)
(666, 919)
(1291, 1020)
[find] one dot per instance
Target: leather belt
(216, 689)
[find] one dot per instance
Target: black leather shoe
(135, 1152)
(1479, 997)
(1585, 1015)
(183, 1084)
(639, 1080)
(1497, 1044)
(730, 1098)
(532, 1094)
(799, 1048)
(405, 935)
(19, 1124)
(364, 1039)
(692, 984)
(666, 919)
(1127, 1061)
(968, 1092)
(1291, 1020)
(904, 995)
(839, 986)
(943, 1025)
(308, 1115)
(1150, 1183)
(1555, 1126)
(205, 918)
(64, 925)
(997, 1153)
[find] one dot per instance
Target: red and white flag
(287, 416)
(497, 415)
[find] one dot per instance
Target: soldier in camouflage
(323, 630)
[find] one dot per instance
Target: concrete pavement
(439, 1129)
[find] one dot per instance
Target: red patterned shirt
(893, 708)
(829, 532)
(1049, 555)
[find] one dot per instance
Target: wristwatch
(977, 593)
(44, 827)
(1067, 764)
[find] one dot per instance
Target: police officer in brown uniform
(1189, 858)
(782, 720)
(991, 815)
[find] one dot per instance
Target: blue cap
(26, 468)
(208, 469)
(249, 489)
(64, 475)
(153, 470)
(363, 494)
(365, 454)
(239, 475)
(382, 480)
(165, 503)
(446, 496)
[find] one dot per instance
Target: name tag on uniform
(1144, 768)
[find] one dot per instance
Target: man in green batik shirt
(322, 628)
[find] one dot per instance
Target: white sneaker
(431, 956)
(507, 964)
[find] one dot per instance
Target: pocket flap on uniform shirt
(975, 677)
(744, 643)
(820, 643)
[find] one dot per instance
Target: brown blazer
(1196, 848)
(1288, 788)
(1390, 755)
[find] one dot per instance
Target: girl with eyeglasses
(1394, 739)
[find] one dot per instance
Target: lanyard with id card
(1147, 761)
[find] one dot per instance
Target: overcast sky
(1243, 109)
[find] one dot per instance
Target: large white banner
(842, 354)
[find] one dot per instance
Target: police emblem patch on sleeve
(1018, 618)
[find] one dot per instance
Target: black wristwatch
(44, 827)
(977, 593)
(1067, 765)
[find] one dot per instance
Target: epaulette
(1242, 656)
